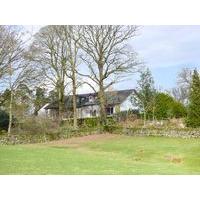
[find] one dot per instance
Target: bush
(124, 115)
(91, 122)
(167, 107)
(36, 125)
(33, 130)
(37, 130)
(178, 110)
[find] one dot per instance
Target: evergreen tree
(193, 118)
(145, 94)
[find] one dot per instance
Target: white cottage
(88, 104)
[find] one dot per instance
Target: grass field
(104, 154)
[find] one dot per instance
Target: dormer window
(82, 99)
(91, 99)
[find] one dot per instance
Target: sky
(165, 50)
(168, 49)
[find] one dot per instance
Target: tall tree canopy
(48, 54)
(193, 118)
(72, 37)
(108, 57)
(11, 47)
(16, 71)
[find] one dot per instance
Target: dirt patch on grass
(76, 141)
(174, 159)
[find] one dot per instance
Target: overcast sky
(165, 50)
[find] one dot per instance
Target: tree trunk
(74, 98)
(101, 95)
(11, 100)
(144, 110)
(61, 106)
(153, 114)
(10, 113)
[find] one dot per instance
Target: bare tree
(72, 38)
(185, 77)
(10, 47)
(49, 54)
(19, 73)
(4, 42)
(181, 92)
(108, 57)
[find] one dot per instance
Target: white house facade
(88, 104)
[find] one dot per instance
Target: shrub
(178, 110)
(36, 125)
(91, 122)
(124, 115)
(167, 107)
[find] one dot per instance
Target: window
(82, 99)
(90, 98)
(93, 113)
(109, 110)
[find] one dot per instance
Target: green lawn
(104, 155)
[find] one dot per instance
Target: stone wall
(183, 133)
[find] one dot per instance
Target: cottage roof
(112, 98)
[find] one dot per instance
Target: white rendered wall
(126, 105)
(84, 112)
(43, 112)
